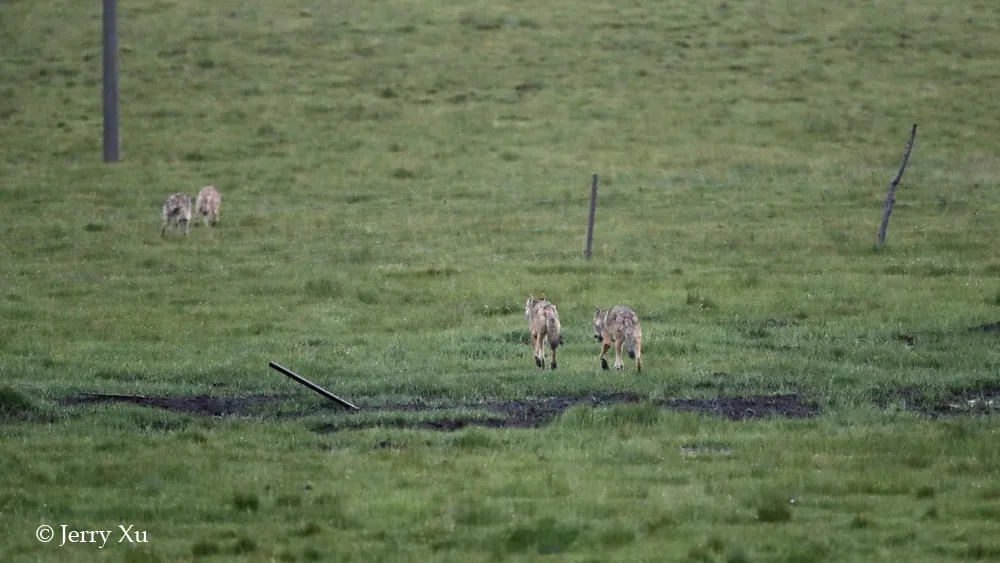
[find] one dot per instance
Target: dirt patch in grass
(988, 327)
(747, 408)
(198, 405)
(536, 412)
(984, 400)
(523, 413)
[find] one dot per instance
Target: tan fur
(619, 325)
(209, 204)
(543, 323)
(176, 212)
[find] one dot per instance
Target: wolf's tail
(633, 340)
(552, 328)
(630, 344)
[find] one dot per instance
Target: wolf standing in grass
(176, 211)
(619, 325)
(543, 322)
(208, 204)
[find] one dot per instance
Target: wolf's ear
(597, 311)
(543, 297)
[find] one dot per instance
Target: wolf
(176, 211)
(208, 204)
(543, 322)
(619, 325)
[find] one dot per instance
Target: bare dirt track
(536, 412)
(982, 401)
(202, 405)
(524, 413)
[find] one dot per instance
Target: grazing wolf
(208, 204)
(543, 322)
(619, 325)
(176, 210)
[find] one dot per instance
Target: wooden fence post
(891, 198)
(593, 210)
(112, 143)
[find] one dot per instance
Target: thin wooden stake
(112, 142)
(593, 210)
(311, 385)
(891, 198)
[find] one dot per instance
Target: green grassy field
(398, 177)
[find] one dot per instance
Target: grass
(780, 490)
(397, 178)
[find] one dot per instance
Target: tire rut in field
(492, 413)
(983, 400)
(537, 412)
(202, 405)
